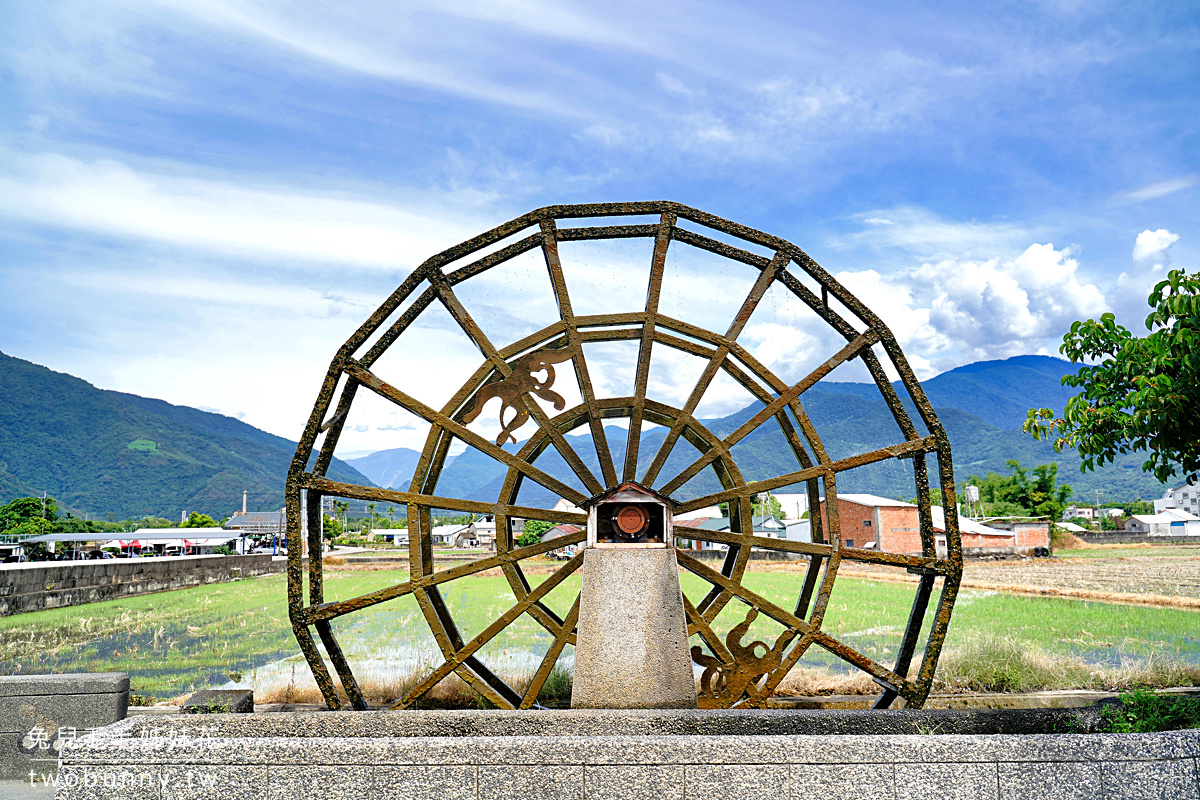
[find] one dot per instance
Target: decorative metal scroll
(521, 375)
(514, 390)
(724, 683)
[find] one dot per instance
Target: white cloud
(1153, 191)
(998, 309)
(921, 233)
(1151, 256)
(955, 310)
(1152, 245)
(113, 199)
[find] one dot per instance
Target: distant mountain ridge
(981, 406)
(102, 452)
(391, 469)
(999, 392)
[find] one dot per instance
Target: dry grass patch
(990, 663)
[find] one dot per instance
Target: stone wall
(55, 584)
(532, 755)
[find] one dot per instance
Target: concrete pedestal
(632, 649)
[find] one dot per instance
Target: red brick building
(893, 526)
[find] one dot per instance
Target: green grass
(174, 642)
(1141, 711)
(169, 642)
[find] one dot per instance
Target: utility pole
(1099, 524)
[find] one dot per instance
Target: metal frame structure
(734, 675)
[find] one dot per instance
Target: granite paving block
(1049, 781)
(39, 713)
(425, 783)
(318, 782)
(207, 781)
(843, 781)
(531, 782)
(98, 782)
(64, 683)
(628, 782)
(1150, 780)
(743, 781)
(967, 781)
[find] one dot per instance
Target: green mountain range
(981, 406)
(111, 454)
(106, 453)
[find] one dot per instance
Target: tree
(1018, 495)
(198, 520)
(333, 527)
(69, 524)
(1144, 392)
(25, 509)
(764, 504)
(533, 531)
(1138, 507)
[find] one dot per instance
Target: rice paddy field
(238, 634)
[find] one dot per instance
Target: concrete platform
(658, 754)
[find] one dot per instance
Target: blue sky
(200, 201)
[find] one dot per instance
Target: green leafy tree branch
(1143, 394)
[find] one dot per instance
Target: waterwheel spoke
(476, 334)
(925, 445)
(920, 564)
(386, 390)
(762, 542)
(340, 607)
(698, 624)
(773, 408)
(658, 263)
(756, 367)
(880, 673)
(463, 652)
(761, 394)
(559, 284)
(761, 284)
(359, 492)
(751, 598)
(551, 657)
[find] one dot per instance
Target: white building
(1170, 522)
(1080, 512)
(794, 506)
(1186, 498)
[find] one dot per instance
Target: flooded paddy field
(238, 634)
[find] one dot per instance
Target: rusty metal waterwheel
(522, 372)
